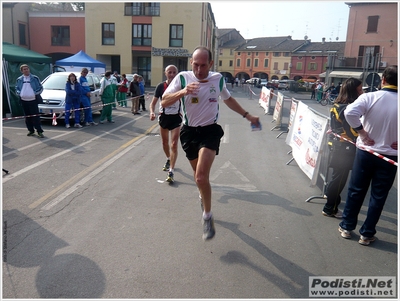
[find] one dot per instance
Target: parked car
(283, 85)
(272, 84)
(252, 80)
(54, 95)
(263, 82)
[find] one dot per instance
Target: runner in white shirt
(199, 91)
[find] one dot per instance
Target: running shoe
(167, 165)
(208, 228)
(344, 233)
(40, 134)
(31, 133)
(170, 178)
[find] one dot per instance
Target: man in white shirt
(199, 91)
(377, 131)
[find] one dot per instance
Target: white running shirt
(201, 109)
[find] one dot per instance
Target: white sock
(207, 215)
(171, 170)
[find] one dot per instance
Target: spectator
(73, 92)
(85, 99)
(378, 131)
(141, 99)
(135, 94)
(341, 152)
(107, 94)
(313, 87)
(122, 90)
(29, 88)
(200, 134)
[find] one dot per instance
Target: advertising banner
(277, 116)
(265, 99)
(306, 138)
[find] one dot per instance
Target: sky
(254, 19)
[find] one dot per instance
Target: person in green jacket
(107, 94)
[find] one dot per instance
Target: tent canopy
(13, 57)
(80, 60)
(14, 53)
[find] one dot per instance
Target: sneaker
(93, 123)
(111, 121)
(338, 214)
(67, 126)
(40, 134)
(208, 228)
(166, 166)
(344, 233)
(365, 241)
(170, 177)
(101, 121)
(87, 124)
(77, 125)
(31, 133)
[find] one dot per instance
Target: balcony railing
(143, 9)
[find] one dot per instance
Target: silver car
(54, 95)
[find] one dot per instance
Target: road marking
(56, 137)
(28, 168)
(225, 138)
(89, 173)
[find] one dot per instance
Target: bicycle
(327, 97)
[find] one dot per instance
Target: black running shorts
(170, 122)
(195, 138)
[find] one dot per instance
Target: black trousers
(32, 118)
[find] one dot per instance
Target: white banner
(265, 99)
(306, 138)
(278, 110)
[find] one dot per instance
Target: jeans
(368, 170)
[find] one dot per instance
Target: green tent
(13, 57)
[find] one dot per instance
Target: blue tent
(81, 59)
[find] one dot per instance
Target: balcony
(142, 9)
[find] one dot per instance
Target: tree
(80, 6)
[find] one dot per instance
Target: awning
(322, 74)
(346, 74)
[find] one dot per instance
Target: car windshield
(55, 82)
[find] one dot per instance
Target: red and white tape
(364, 148)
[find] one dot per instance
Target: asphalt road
(87, 214)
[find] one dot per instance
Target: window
(299, 66)
(255, 62)
(300, 57)
(266, 63)
(239, 53)
(285, 66)
(142, 9)
(22, 34)
(286, 54)
(267, 53)
(276, 66)
(230, 63)
(220, 63)
(238, 63)
(141, 34)
(372, 24)
(176, 36)
(144, 68)
(312, 66)
(256, 53)
(231, 52)
(221, 51)
(248, 53)
(276, 54)
(108, 34)
(248, 62)
(59, 35)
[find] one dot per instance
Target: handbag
(39, 99)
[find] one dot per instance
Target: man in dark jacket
(135, 94)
